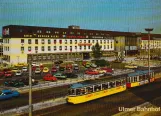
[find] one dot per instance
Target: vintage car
(18, 73)
(1, 73)
(45, 70)
(60, 76)
(54, 69)
(131, 66)
(8, 94)
(49, 77)
(14, 69)
(37, 70)
(24, 69)
(8, 74)
(14, 83)
(100, 70)
(108, 70)
(91, 72)
(71, 75)
(26, 81)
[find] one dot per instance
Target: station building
(22, 44)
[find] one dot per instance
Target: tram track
(109, 105)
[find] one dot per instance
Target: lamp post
(149, 30)
(30, 89)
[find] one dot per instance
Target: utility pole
(30, 90)
(149, 30)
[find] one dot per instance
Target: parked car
(107, 69)
(14, 69)
(49, 77)
(71, 75)
(8, 74)
(91, 72)
(100, 70)
(33, 68)
(54, 69)
(18, 73)
(24, 69)
(37, 71)
(8, 94)
(26, 81)
(93, 65)
(131, 66)
(60, 76)
(1, 73)
(45, 70)
(14, 83)
(75, 67)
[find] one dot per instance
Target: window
(84, 41)
(42, 41)
(85, 47)
(60, 41)
(70, 41)
(54, 48)
(60, 47)
(78, 33)
(54, 41)
(29, 48)
(70, 48)
(104, 47)
(80, 41)
(88, 41)
(65, 47)
(101, 41)
(65, 41)
(36, 41)
(107, 46)
(118, 83)
(49, 41)
(105, 86)
(42, 48)
(22, 41)
(22, 48)
(92, 41)
(49, 48)
(36, 48)
(75, 41)
(80, 47)
(111, 84)
(97, 41)
(89, 47)
(29, 41)
(75, 47)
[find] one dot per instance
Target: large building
(22, 44)
(25, 43)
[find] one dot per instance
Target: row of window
(6, 48)
(98, 87)
(60, 48)
(66, 41)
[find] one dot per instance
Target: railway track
(109, 105)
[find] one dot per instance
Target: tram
(138, 78)
(83, 92)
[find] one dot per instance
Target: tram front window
(89, 89)
(97, 87)
(78, 91)
(105, 86)
(112, 84)
(123, 82)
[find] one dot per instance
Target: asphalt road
(109, 105)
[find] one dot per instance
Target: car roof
(6, 91)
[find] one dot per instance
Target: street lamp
(149, 30)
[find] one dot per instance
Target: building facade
(22, 44)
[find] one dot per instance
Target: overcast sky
(114, 15)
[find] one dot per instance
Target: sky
(112, 15)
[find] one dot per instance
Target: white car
(24, 69)
(18, 73)
(37, 71)
(93, 65)
(33, 64)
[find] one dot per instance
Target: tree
(96, 49)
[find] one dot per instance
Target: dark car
(14, 83)
(71, 75)
(26, 81)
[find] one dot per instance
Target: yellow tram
(83, 92)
